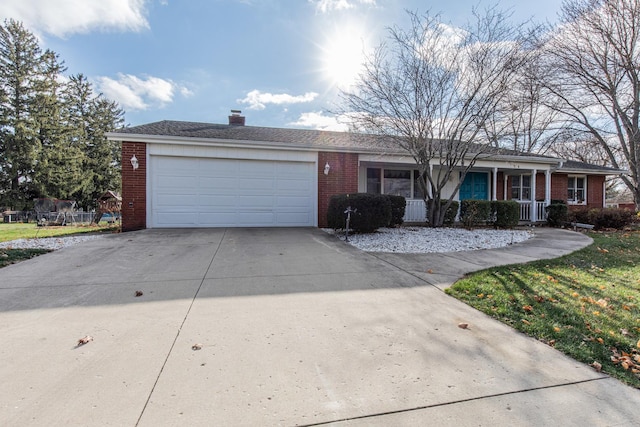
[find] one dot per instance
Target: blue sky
(279, 61)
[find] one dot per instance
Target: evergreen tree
(90, 118)
(21, 72)
(59, 169)
(52, 133)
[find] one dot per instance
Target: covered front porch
(526, 182)
(416, 211)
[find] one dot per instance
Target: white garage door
(193, 192)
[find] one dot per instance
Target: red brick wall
(342, 178)
(595, 187)
(500, 186)
(134, 187)
(559, 184)
(540, 186)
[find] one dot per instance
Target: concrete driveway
(295, 328)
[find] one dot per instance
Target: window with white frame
(521, 187)
(577, 189)
(399, 182)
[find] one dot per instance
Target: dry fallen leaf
(84, 340)
(463, 325)
(196, 347)
(139, 293)
(430, 271)
(527, 308)
(597, 366)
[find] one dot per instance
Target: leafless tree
(430, 89)
(528, 119)
(593, 61)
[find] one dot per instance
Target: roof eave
(222, 142)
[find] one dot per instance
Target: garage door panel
(168, 219)
(176, 200)
(293, 185)
(260, 184)
(217, 183)
(177, 181)
(211, 192)
(293, 202)
(213, 202)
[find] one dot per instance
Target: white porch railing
(415, 211)
(525, 211)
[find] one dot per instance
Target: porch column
(547, 187)
(494, 184)
(429, 192)
(504, 187)
(534, 205)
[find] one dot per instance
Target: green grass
(11, 256)
(586, 304)
(14, 231)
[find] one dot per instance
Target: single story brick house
(185, 174)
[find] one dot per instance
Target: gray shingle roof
(294, 137)
(308, 138)
(573, 165)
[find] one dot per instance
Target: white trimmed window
(399, 182)
(521, 187)
(577, 190)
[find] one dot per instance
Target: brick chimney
(236, 119)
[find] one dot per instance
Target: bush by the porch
(475, 212)
(398, 207)
(369, 211)
(506, 213)
(612, 218)
(450, 214)
(557, 213)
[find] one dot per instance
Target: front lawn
(585, 304)
(14, 231)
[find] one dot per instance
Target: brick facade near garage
(342, 178)
(134, 187)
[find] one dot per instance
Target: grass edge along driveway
(14, 231)
(585, 304)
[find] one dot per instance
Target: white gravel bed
(430, 240)
(52, 243)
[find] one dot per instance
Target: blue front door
(475, 186)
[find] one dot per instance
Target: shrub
(506, 213)
(581, 214)
(612, 218)
(451, 213)
(475, 212)
(398, 206)
(371, 211)
(557, 214)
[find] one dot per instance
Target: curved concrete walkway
(292, 326)
(446, 268)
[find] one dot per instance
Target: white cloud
(317, 120)
(257, 100)
(325, 6)
(63, 17)
(140, 93)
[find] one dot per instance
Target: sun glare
(343, 54)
